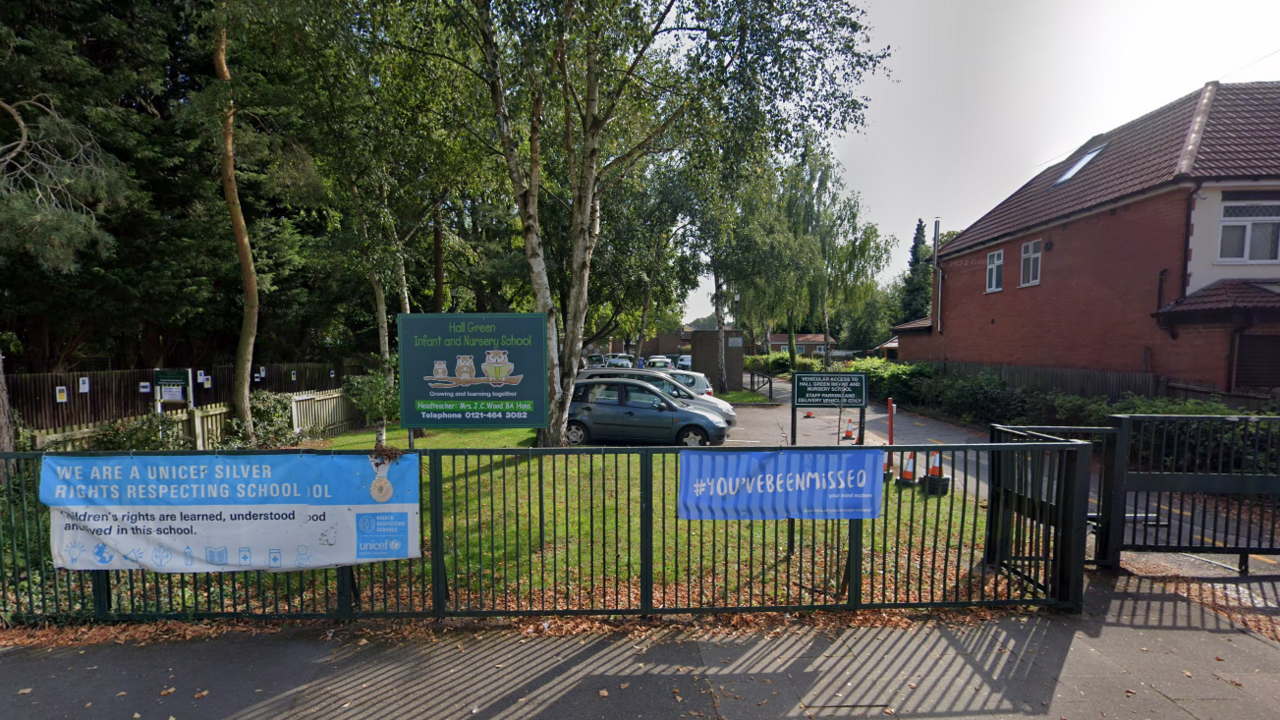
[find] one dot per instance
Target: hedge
(986, 399)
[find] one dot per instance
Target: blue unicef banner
(832, 484)
(209, 513)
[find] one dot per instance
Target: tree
(240, 231)
(611, 83)
(918, 285)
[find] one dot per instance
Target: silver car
(695, 381)
(663, 381)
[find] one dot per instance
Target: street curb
(756, 405)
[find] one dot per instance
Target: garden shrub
(272, 424)
(156, 432)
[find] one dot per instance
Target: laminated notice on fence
(832, 484)
(211, 513)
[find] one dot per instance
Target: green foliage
(986, 399)
(374, 395)
(778, 364)
(156, 432)
(272, 424)
(24, 438)
(918, 284)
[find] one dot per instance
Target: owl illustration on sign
(466, 368)
(495, 365)
(441, 371)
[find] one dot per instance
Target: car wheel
(577, 434)
(691, 436)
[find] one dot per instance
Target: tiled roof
(923, 323)
(1229, 295)
(1220, 131)
(800, 338)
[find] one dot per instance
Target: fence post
(439, 589)
(646, 531)
(1073, 528)
(100, 583)
(1114, 503)
(997, 531)
(346, 583)
(197, 429)
(854, 570)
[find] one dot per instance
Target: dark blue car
(634, 411)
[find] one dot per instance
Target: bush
(779, 364)
(157, 432)
(987, 399)
(272, 424)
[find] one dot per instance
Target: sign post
(173, 386)
(473, 370)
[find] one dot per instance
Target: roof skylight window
(1084, 160)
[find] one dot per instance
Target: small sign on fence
(84, 385)
(473, 370)
(199, 376)
(800, 484)
(60, 393)
(212, 513)
(208, 381)
(144, 388)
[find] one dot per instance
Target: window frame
(1248, 224)
(1037, 258)
(998, 265)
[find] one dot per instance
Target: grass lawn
(743, 397)
(462, 438)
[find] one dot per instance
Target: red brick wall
(1092, 308)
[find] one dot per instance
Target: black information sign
(829, 390)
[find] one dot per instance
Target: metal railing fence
(595, 531)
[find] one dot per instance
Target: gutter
(1138, 196)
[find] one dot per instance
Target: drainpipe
(937, 310)
(1186, 240)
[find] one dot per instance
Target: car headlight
(719, 422)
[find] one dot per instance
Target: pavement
(1139, 650)
(765, 426)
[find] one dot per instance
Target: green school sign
(473, 370)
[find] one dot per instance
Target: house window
(1084, 160)
(1250, 233)
(799, 349)
(995, 271)
(1031, 263)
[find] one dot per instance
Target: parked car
(595, 360)
(684, 362)
(619, 360)
(695, 381)
(661, 380)
(658, 361)
(634, 411)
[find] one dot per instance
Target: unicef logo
(366, 524)
(393, 544)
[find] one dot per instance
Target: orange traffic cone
(909, 467)
(848, 430)
(936, 483)
(808, 413)
(935, 464)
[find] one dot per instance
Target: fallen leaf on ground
(24, 691)
(122, 693)
(624, 686)
(169, 691)
(604, 693)
(201, 694)
(1188, 674)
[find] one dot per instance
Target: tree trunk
(648, 289)
(720, 362)
(248, 276)
(791, 337)
(384, 342)
(438, 233)
(402, 280)
(826, 337)
(6, 418)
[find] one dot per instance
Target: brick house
(806, 343)
(1154, 247)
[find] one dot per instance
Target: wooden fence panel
(115, 394)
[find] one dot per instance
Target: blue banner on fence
(830, 484)
(214, 513)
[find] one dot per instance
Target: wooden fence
(327, 413)
(1089, 383)
(1242, 401)
(117, 394)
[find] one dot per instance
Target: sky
(982, 95)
